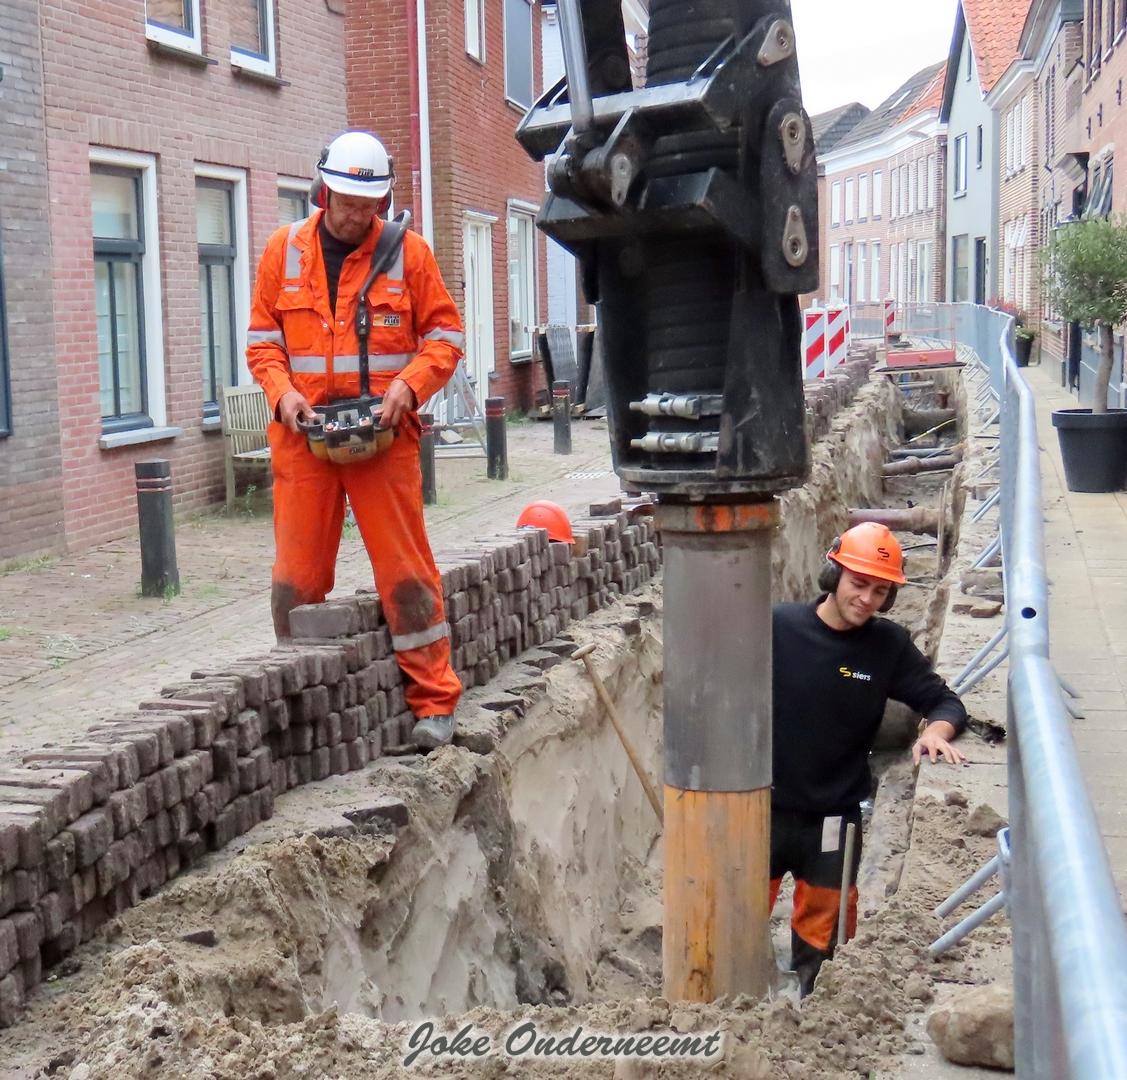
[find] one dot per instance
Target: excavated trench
(488, 888)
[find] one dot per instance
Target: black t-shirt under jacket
(830, 690)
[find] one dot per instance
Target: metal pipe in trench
(717, 747)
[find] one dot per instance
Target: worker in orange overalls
(303, 349)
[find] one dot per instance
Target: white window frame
(237, 178)
(294, 185)
(850, 199)
(178, 39)
(475, 8)
(932, 180)
(835, 203)
(878, 194)
(921, 185)
(835, 272)
(519, 208)
(146, 166)
(960, 163)
(863, 197)
(893, 194)
(862, 285)
(248, 61)
(875, 270)
(531, 57)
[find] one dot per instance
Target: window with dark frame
(177, 15)
(518, 52)
(250, 28)
(5, 370)
(119, 252)
(292, 206)
(978, 152)
(215, 237)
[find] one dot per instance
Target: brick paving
(78, 642)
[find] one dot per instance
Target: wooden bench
(246, 415)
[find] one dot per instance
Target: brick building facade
(177, 137)
(881, 204)
(1017, 101)
(31, 510)
(1053, 39)
(478, 209)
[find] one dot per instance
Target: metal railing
(1069, 933)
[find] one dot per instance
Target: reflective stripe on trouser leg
(308, 515)
(385, 493)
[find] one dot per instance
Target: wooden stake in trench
(584, 653)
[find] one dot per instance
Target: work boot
(432, 732)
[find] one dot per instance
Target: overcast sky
(862, 50)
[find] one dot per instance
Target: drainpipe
(423, 123)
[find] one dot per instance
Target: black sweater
(830, 690)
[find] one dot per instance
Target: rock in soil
(977, 1028)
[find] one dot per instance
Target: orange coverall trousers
(385, 493)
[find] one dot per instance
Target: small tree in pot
(1086, 281)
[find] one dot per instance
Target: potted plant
(1024, 336)
(1087, 283)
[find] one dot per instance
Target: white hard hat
(356, 163)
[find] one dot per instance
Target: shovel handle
(584, 653)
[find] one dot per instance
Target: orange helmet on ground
(543, 514)
(870, 548)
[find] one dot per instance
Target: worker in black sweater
(836, 664)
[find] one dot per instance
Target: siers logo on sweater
(860, 676)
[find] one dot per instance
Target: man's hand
(397, 402)
(292, 407)
(936, 743)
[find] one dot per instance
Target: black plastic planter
(1023, 347)
(1094, 448)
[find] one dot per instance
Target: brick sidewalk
(78, 642)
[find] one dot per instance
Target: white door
(478, 254)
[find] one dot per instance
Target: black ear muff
(829, 577)
(324, 156)
(889, 600)
(319, 194)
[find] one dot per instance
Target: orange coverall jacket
(296, 342)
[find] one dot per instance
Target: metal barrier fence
(1069, 933)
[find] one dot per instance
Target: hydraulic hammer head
(691, 204)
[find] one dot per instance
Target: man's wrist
(948, 731)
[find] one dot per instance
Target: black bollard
(561, 416)
(496, 450)
(159, 574)
(426, 458)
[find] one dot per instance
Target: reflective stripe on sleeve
(451, 337)
(407, 642)
(266, 337)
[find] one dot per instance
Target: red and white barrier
(889, 317)
(837, 317)
(814, 343)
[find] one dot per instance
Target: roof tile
(995, 29)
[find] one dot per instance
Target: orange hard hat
(870, 548)
(543, 514)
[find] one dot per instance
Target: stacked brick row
(89, 829)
